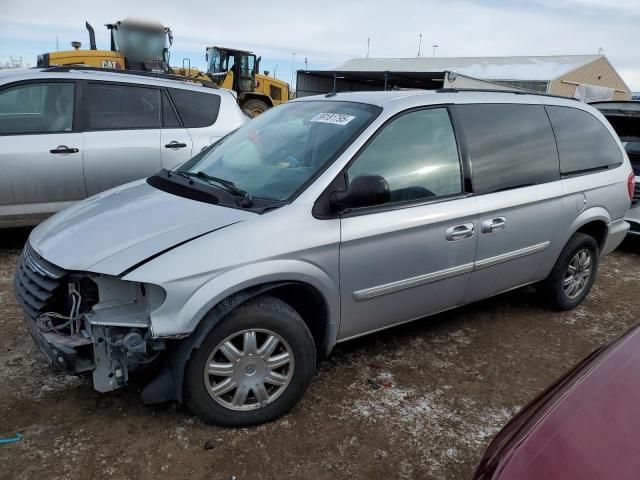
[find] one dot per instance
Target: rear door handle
(63, 149)
(174, 144)
(493, 225)
(459, 232)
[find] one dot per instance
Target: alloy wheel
(578, 273)
(249, 369)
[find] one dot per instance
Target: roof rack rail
(165, 76)
(490, 90)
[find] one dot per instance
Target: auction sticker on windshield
(333, 118)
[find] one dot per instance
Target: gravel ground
(418, 401)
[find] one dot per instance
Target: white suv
(69, 133)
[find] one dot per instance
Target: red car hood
(586, 426)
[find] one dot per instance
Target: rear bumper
(633, 217)
(617, 231)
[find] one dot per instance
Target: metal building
(587, 77)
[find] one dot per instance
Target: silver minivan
(322, 220)
(67, 133)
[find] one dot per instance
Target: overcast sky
(330, 31)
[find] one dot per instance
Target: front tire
(573, 275)
(254, 107)
(253, 367)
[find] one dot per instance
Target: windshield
(275, 154)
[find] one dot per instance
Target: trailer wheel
(254, 107)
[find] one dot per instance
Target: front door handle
(459, 232)
(493, 225)
(174, 144)
(63, 149)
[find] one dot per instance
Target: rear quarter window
(196, 109)
(510, 145)
(584, 143)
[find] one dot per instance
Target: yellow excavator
(144, 46)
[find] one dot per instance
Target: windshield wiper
(228, 185)
(175, 172)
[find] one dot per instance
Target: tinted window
(169, 118)
(584, 143)
(113, 106)
(37, 108)
(417, 155)
(509, 145)
(196, 109)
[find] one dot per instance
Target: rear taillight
(631, 184)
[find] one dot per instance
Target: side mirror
(363, 191)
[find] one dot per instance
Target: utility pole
(306, 63)
(275, 69)
(419, 44)
(368, 46)
(434, 50)
(293, 62)
(57, 44)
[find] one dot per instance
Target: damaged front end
(86, 322)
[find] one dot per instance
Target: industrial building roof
(537, 68)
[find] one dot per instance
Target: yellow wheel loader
(238, 70)
(144, 46)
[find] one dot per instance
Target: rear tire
(267, 373)
(573, 275)
(254, 107)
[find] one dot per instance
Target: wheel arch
(593, 222)
(306, 297)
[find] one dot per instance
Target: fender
(212, 301)
(238, 279)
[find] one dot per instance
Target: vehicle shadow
(14, 238)
(631, 244)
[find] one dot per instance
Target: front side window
(37, 108)
(584, 143)
(275, 154)
(118, 107)
(510, 145)
(416, 154)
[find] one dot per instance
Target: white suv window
(112, 106)
(37, 108)
(416, 154)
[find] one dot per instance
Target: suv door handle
(459, 232)
(64, 149)
(174, 144)
(493, 225)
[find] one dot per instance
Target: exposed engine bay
(86, 322)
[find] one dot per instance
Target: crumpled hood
(117, 229)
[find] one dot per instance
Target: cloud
(332, 31)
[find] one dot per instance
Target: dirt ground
(418, 401)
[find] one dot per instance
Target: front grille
(36, 282)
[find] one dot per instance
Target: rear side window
(37, 108)
(119, 107)
(197, 109)
(510, 145)
(584, 143)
